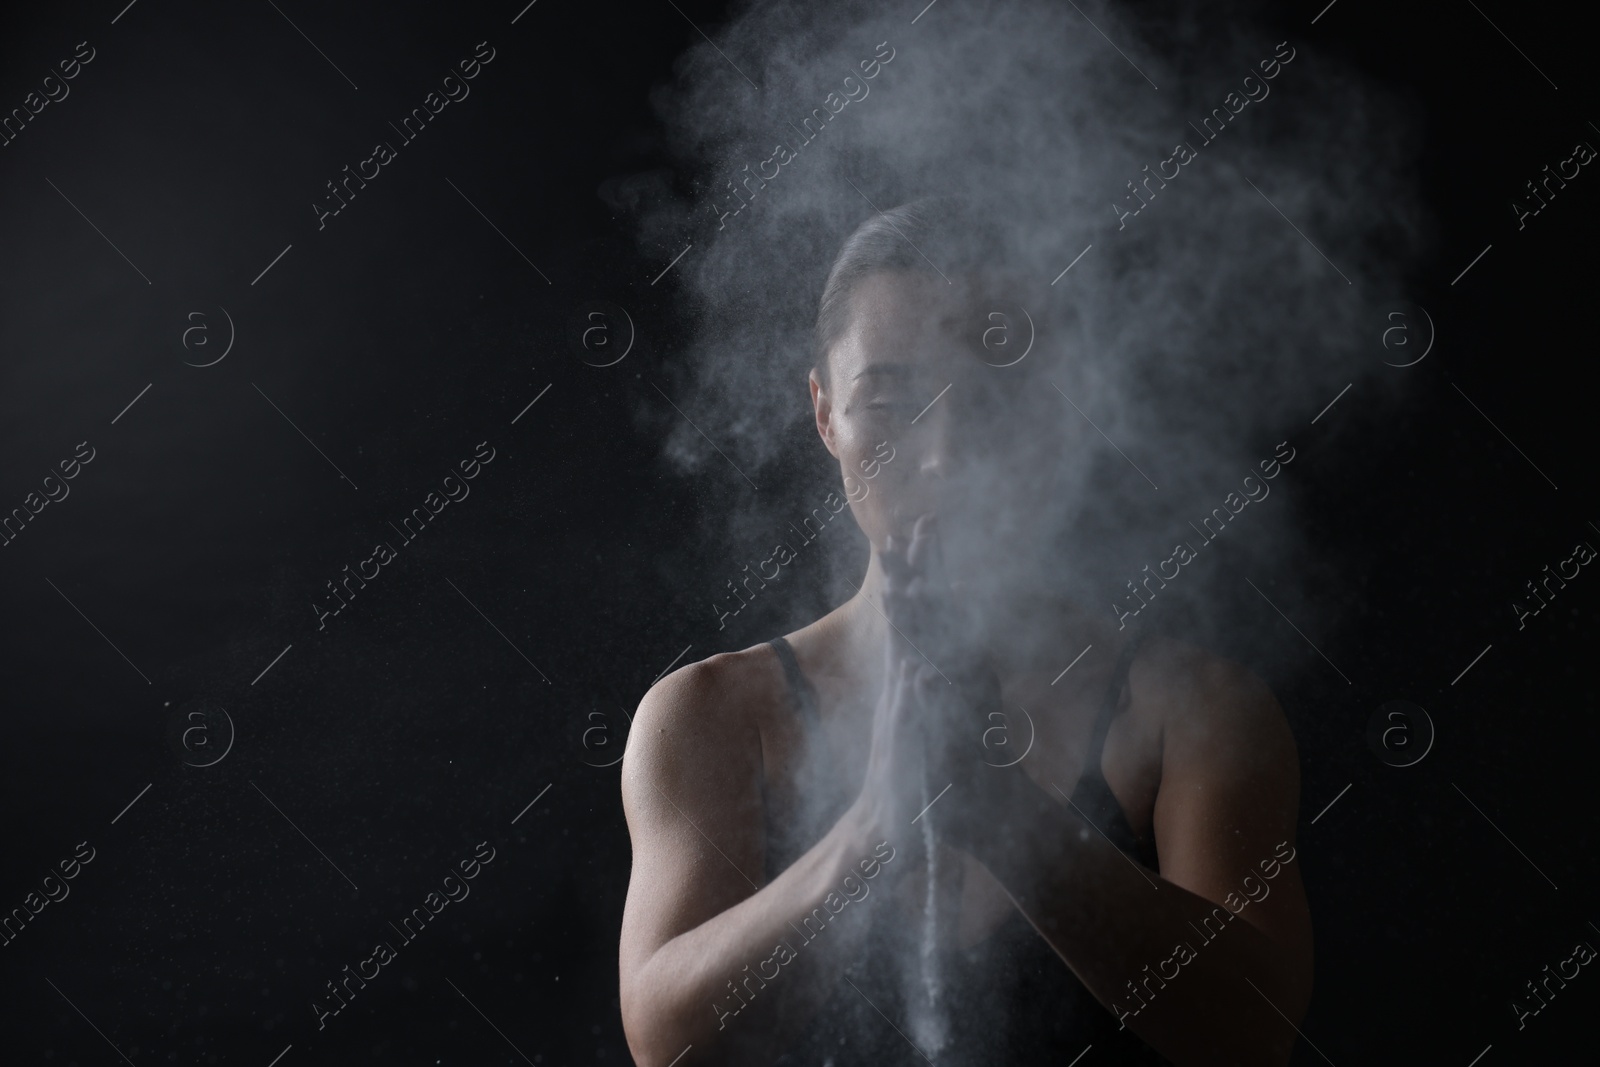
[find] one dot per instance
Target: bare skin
(1200, 758)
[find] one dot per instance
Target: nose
(936, 458)
(954, 442)
(936, 449)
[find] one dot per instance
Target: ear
(822, 403)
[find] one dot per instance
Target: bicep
(1228, 803)
(691, 794)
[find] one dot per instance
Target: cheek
(859, 467)
(869, 512)
(869, 499)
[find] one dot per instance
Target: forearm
(1122, 929)
(740, 985)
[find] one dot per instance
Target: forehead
(905, 317)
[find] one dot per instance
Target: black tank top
(1009, 999)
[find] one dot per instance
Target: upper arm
(1227, 807)
(691, 794)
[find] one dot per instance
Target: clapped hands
(939, 701)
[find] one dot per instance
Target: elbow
(1255, 1035)
(1275, 1051)
(649, 1052)
(1262, 1048)
(658, 1029)
(1275, 1039)
(646, 1027)
(649, 1041)
(659, 1048)
(1295, 1009)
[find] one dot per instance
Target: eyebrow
(887, 370)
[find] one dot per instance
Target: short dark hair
(935, 235)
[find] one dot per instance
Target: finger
(892, 558)
(916, 617)
(929, 551)
(902, 683)
(918, 693)
(921, 532)
(897, 675)
(904, 708)
(927, 684)
(894, 684)
(891, 657)
(925, 567)
(897, 611)
(934, 565)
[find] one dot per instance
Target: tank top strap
(1093, 794)
(801, 693)
(1108, 709)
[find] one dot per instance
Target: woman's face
(922, 419)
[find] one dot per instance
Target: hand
(892, 790)
(987, 800)
(928, 623)
(952, 694)
(898, 784)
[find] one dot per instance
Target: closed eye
(891, 406)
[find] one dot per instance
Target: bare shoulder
(1228, 802)
(701, 717)
(691, 794)
(1189, 690)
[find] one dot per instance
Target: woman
(840, 856)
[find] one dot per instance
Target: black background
(407, 331)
